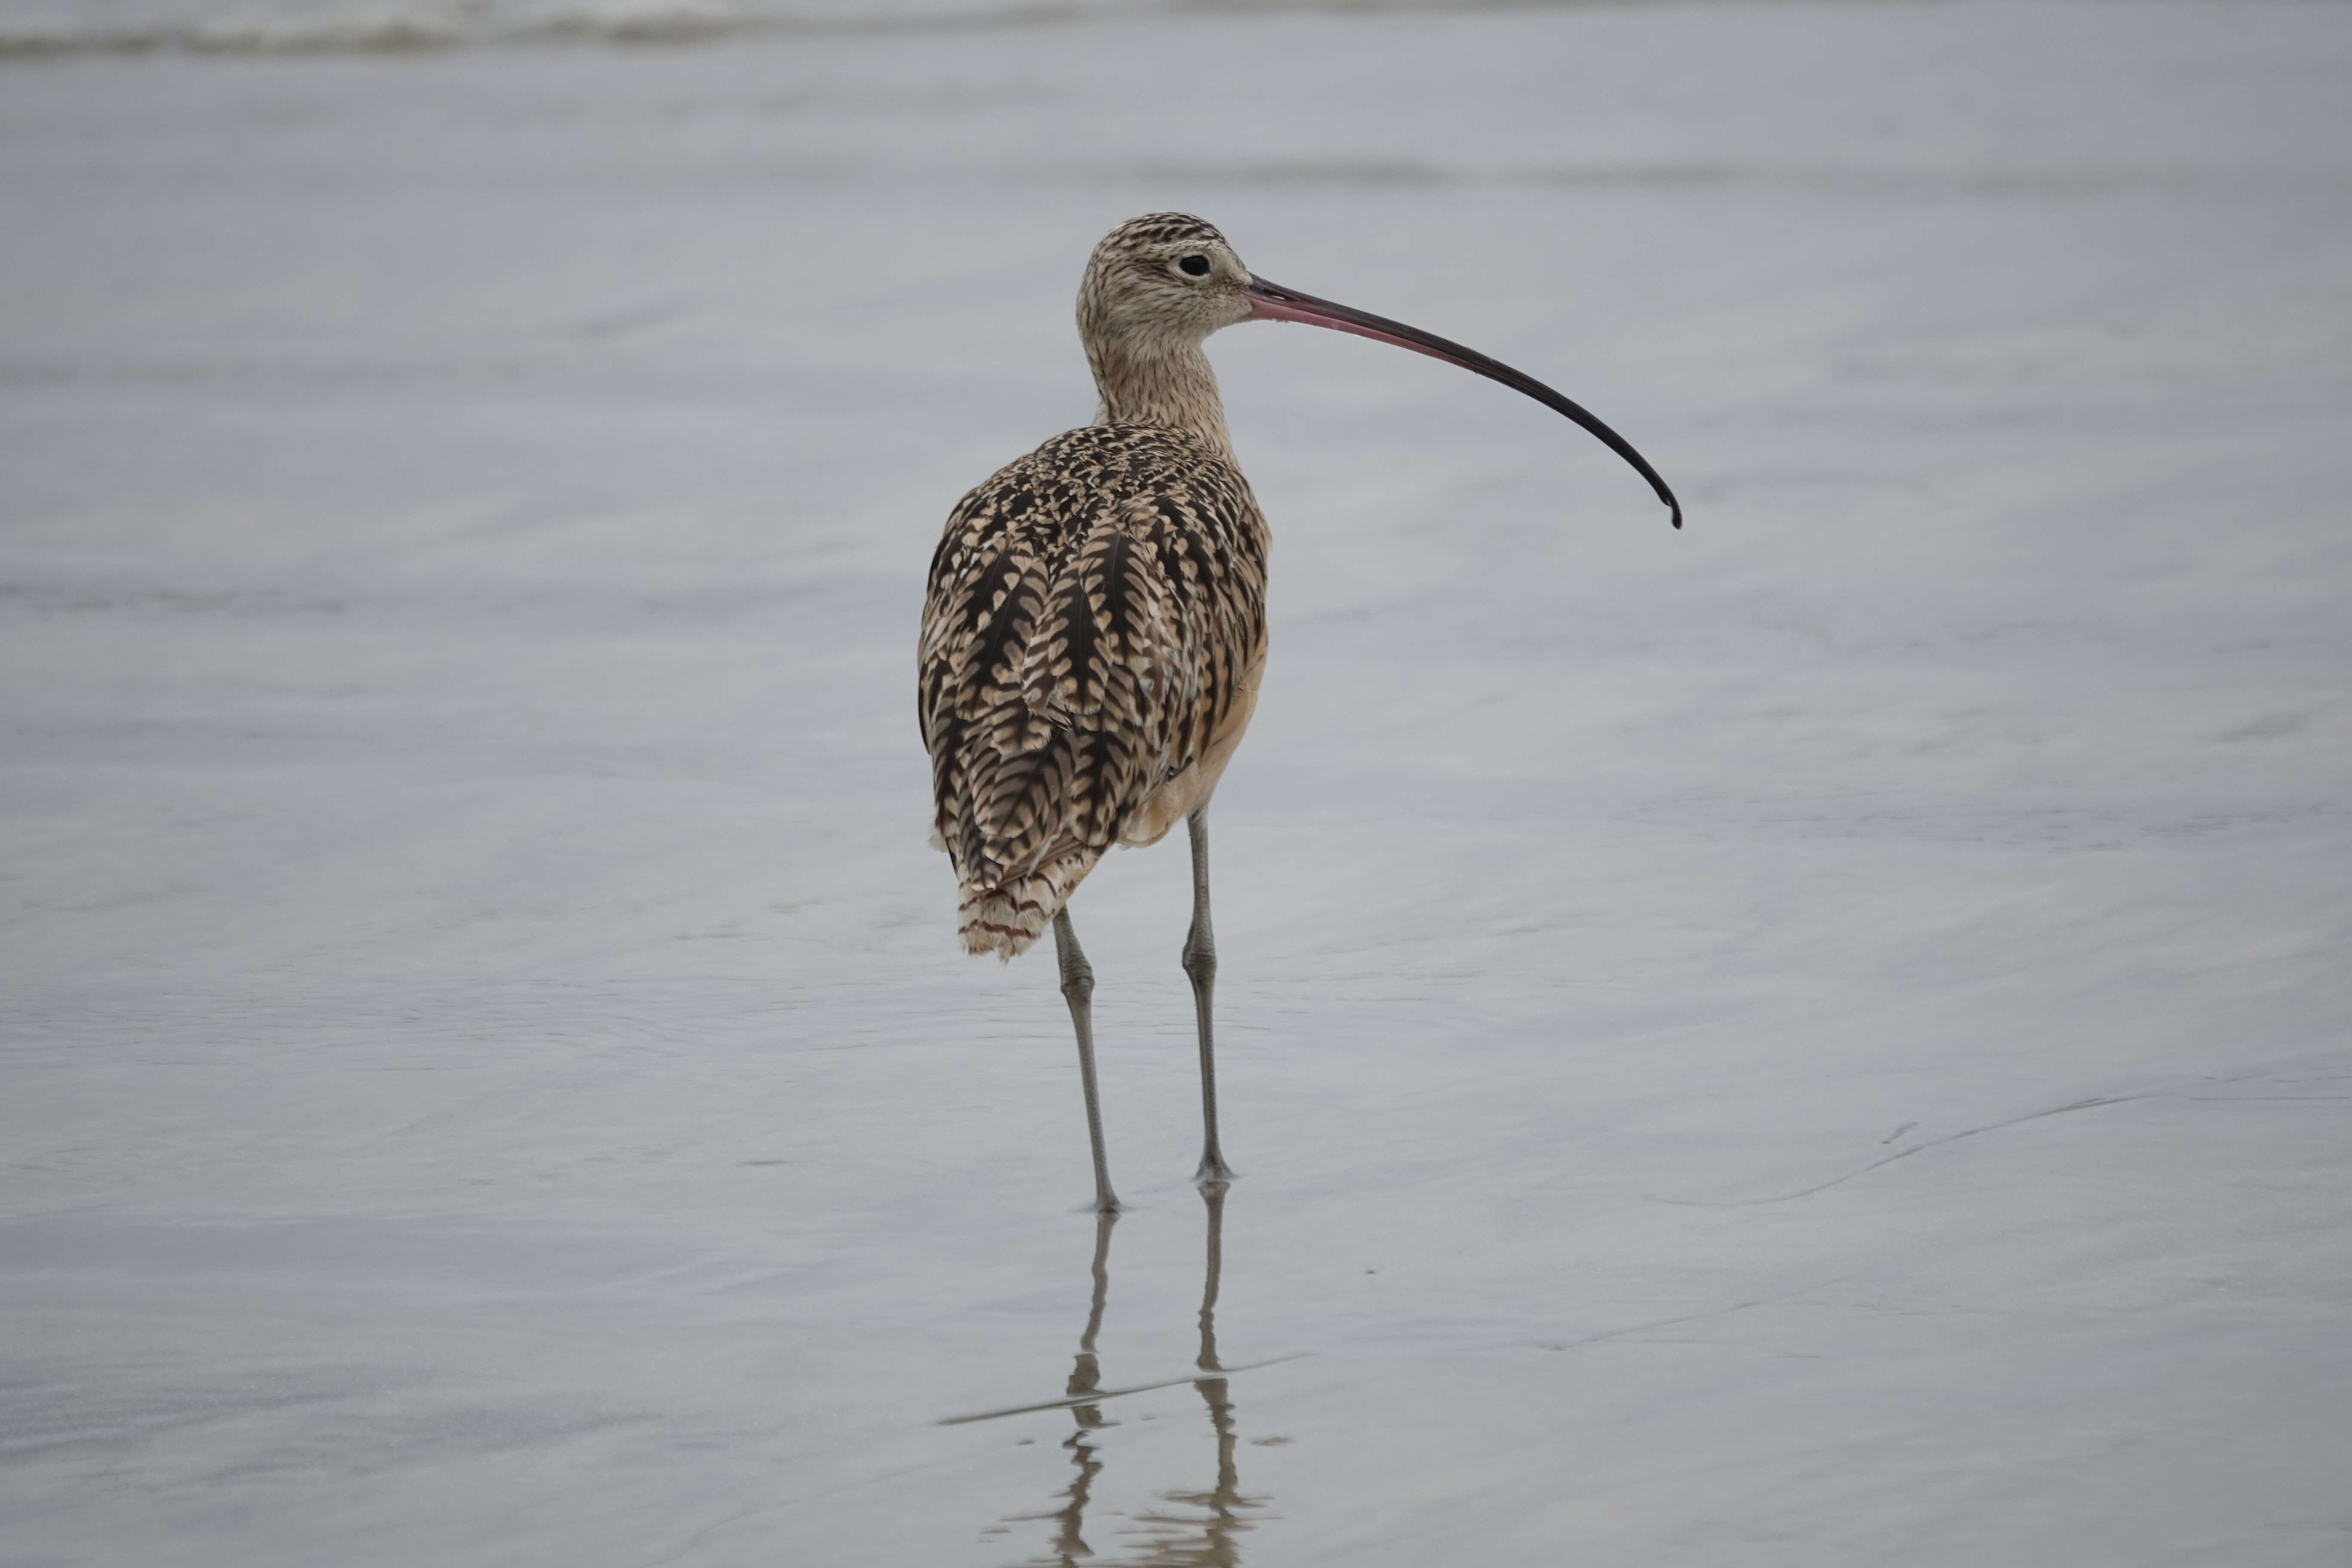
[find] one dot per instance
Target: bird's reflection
(1191, 1528)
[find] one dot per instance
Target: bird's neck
(1158, 382)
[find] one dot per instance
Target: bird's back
(1091, 640)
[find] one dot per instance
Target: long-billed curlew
(1095, 627)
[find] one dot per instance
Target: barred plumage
(1094, 630)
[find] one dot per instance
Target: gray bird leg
(1079, 990)
(1200, 963)
(1214, 1199)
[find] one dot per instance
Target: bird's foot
(1214, 1172)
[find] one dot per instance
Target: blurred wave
(326, 26)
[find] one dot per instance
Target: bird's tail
(1004, 917)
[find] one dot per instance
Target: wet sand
(1817, 1038)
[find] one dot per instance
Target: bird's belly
(1188, 791)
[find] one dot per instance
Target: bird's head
(1162, 278)
(1159, 284)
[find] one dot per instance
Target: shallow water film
(1820, 1038)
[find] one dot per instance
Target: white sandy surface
(1821, 1040)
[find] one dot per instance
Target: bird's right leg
(1200, 965)
(1079, 990)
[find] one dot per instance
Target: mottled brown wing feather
(1093, 610)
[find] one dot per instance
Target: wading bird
(1095, 627)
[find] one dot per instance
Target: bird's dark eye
(1197, 266)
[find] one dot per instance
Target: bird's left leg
(1079, 990)
(1201, 964)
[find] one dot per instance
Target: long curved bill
(1272, 303)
